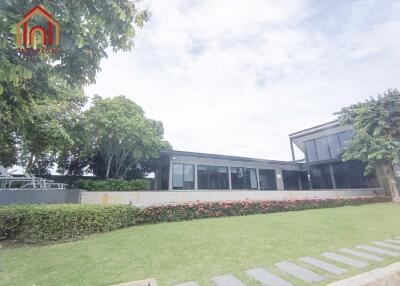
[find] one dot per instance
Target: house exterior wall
(272, 165)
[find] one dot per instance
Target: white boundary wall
(147, 198)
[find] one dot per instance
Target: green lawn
(198, 250)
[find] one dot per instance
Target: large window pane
(202, 177)
(188, 177)
(177, 176)
(243, 178)
(321, 144)
(212, 178)
(345, 137)
(267, 179)
(295, 180)
(334, 145)
(321, 177)
(182, 177)
(311, 152)
(253, 179)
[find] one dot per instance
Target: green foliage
(113, 185)
(45, 223)
(29, 83)
(376, 124)
(119, 138)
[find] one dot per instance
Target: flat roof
(225, 157)
(314, 129)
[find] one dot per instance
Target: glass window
(182, 177)
(212, 178)
(243, 178)
(253, 179)
(295, 180)
(334, 145)
(267, 179)
(311, 152)
(188, 177)
(321, 177)
(321, 144)
(344, 137)
(177, 176)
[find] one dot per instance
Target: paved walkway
(348, 258)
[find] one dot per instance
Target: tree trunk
(108, 167)
(390, 182)
(29, 165)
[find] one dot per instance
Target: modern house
(321, 169)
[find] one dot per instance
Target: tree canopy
(118, 138)
(376, 139)
(41, 94)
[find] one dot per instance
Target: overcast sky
(236, 77)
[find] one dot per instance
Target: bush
(196, 210)
(114, 185)
(44, 223)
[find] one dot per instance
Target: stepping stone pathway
(361, 254)
(344, 259)
(191, 283)
(227, 280)
(385, 244)
(379, 250)
(299, 272)
(269, 279)
(393, 241)
(323, 265)
(266, 278)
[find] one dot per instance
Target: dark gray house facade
(321, 169)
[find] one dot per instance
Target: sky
(236, 77)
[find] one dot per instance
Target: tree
(46, 130)
(376, 139)
(120, 139)
(88, 29)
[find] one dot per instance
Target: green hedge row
(46, 223)
(113, 185)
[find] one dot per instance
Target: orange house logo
(47, 40)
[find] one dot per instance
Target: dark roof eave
(314, 129)
(226, 157)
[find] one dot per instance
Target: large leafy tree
(88, 29)
(376, 140)
(119, 139)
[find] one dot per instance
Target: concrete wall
(146, 198)
(21, 196)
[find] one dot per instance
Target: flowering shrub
(46, 223)
(196, 210)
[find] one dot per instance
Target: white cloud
(236, 77)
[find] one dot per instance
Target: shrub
(196, 210)
(44, 223)
(114, 185)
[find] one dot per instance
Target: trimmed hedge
(197, 210)
(46, 223)
(113, 185)
(43, 223)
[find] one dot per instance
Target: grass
(197, 250)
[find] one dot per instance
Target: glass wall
(212, 178)
(295, 180)
(243, 178)
(182, 176)
(267, 179)
(321, 177)
(328, 147)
